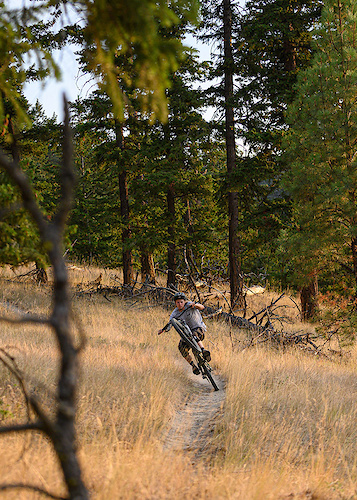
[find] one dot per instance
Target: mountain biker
(190, 313)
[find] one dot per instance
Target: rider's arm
(166, 328)
(197, 305)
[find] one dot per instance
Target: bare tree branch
(225, 298)
(81, 331)
(11, 365)
(26, 319)
(30, 399)
(37, 489)
(61, 430)
(189, 273)
(35, 426)
(266, 309)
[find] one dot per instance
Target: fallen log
(232, 319)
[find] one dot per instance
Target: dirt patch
(191, 427)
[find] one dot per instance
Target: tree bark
(171, 249)
(41, 274)
(354, 263)
(63, 434)
(147, 267)
(309, 300)
(289, 51)
(125, 215)
(235, 275)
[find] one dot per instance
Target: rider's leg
(199, 333)
(184, 350)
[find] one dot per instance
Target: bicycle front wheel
(208, 374)
(185, 334)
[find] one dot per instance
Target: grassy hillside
(286, 429)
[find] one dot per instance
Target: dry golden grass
(287, 429)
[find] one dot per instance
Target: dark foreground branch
(61, 429)
(36, 489)
(36, 320)
(35, 426)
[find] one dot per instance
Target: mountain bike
(189, 338)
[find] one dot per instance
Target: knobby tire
(209, 376)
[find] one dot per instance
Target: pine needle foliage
(321, 144)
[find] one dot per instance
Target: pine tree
(321, 144)
(272, 43)
(37, 147)
(217, 22)
(24, 36)
(174, 186)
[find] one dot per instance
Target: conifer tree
(217, 23)
(163, 166)
(38, 148)
(272, 43)
(178, 164)
(321, 144)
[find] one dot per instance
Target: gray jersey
(191, 316)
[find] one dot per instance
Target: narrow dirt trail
(191, 426)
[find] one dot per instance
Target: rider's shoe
(206, 354)
(195, 369)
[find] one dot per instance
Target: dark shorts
(184, 348)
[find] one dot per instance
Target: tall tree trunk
(236, 281)
(354, 263)
(289, 51)
(171, 249)
(125, 215)
(126, 232)
(308, 298)
(147, 266)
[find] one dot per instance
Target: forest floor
(281, 427)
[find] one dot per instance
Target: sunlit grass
(287, 429)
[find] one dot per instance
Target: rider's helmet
(179, 296)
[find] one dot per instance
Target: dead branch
(25, 319)
(265, 309)
(232, 319)
(215, 314)
(31, 402)
(297, 306)
(61, 431)
(225, 298)
(37, 275)
(81, 332)
(281, 339)
(36, 489)
(334, 332)
(9, 362)
(34, 426)
(267, 333)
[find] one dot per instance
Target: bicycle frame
(188, 337)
